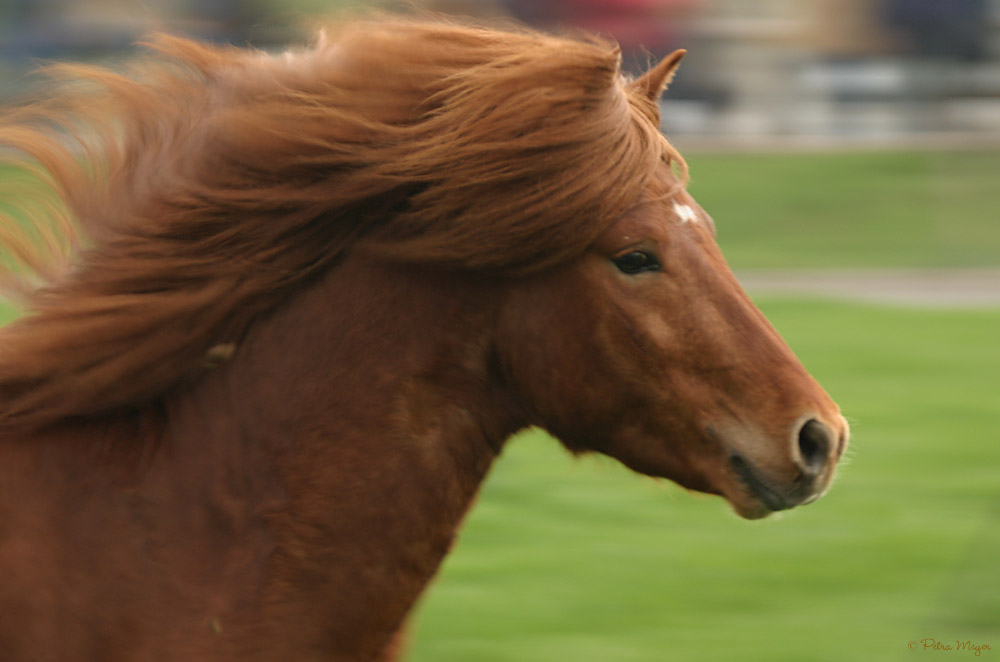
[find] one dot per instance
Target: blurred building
(756, 69)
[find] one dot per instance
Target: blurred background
(850, 69)
(849, 151)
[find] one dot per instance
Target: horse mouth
(768, 499)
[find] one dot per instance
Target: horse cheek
(556, 357)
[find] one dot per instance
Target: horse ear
(655, 81)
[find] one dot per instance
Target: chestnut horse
(283, 311)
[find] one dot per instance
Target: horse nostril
(815, 440)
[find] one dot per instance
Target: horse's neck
(366, 416)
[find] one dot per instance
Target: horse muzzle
(814, 453)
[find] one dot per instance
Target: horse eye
(635, 262)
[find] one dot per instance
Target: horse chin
(750, 508)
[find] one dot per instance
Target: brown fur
(209, 185)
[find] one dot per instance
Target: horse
(283, 310)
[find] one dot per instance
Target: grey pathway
(939, 288)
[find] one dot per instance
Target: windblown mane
(198, 190)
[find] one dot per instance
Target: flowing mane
(204, 186)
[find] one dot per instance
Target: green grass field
(853, 209)
(581, 560)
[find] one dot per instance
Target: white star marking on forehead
(685, 213)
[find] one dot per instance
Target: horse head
(647, 349)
